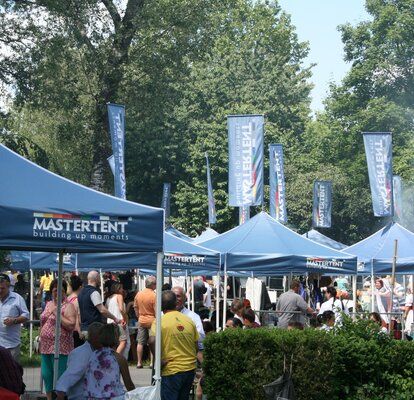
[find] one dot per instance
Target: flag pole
(394, 262)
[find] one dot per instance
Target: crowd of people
(95, 330)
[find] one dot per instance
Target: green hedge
(355, 364)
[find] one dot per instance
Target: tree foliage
(254, 67)
(180, 67)
(375, 96)
(69, 59)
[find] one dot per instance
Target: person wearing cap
(13, 312)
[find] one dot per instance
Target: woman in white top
(333, 304)
(116, 305)
(382, 297)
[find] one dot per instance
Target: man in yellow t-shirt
(44, 289)
(179, 345)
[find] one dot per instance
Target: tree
(375, 96)
(254, 67)
(70, 58)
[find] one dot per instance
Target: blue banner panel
(322, 204)
(211, 203)
(397, 190)
(166, 200)
(378, 150)
(245, 134)
(277, 184)
(244, 214)
(116, 115)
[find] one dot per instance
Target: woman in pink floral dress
(48, 334)
(105, 367)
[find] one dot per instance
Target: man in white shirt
(71, 381)
(181, 299)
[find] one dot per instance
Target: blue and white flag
(166, 200)
(245, 134)
(397, 190)
(116, 115)
(211, 203)
(244, 214)
(378, 150)
(322, 204)
(277, 184)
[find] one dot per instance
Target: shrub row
(357, 363)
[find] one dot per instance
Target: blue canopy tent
(375, 253)
(320, 238)
(26, 260)
(264, 246)
(42, 211)
(208, 234)
(179, 255)
(179, 234)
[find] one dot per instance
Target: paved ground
(140, 377)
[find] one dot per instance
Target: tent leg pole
(394, 262)
(254, 292)
(218, 303)
(137, 279)
(58, 319)
(192, 294)
(225, 297)
(157, 374)
(31, 314)
(354, 293)
(102, 286)
(372, 291)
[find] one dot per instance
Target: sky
(316, 21)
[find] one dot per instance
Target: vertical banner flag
(397, 190)
(378, 150)
(244, 214)
(211, 204)
(277, 184)
(245, 133)
(322, 204)
(116, 115)
(166, 200)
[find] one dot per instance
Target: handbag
(282, 388)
